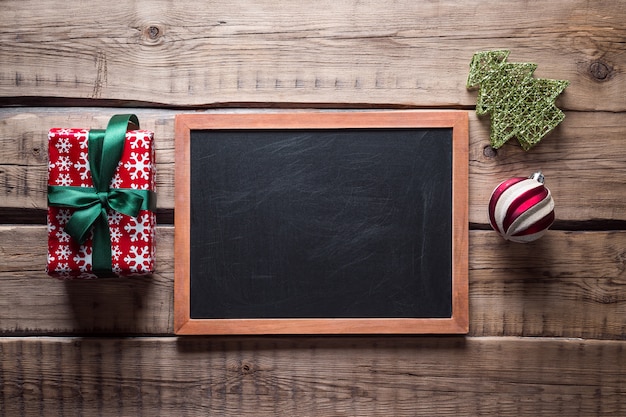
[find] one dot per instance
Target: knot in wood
(600, 71)
(490, 152)
(152, 34)
(246, 368)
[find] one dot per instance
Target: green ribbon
(91, 203)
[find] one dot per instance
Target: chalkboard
(321, 222)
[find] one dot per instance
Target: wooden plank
(24, 146)
(567, 284)
(33, 303)
(348, 52)
(583, 159)
(312, 376)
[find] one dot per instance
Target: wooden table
(547, 319)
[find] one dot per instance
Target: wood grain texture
(582, 191)
(312, 376)
(567, 284)
(210, 52)
(193, 55)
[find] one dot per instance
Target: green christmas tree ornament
(520, 106)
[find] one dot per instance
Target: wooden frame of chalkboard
(276, 180)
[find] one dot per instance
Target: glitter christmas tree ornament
(521, 209)
(520, 106)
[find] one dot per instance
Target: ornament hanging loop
(538, 176)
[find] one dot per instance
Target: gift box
(101, 201)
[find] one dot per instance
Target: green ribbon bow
(91, 203)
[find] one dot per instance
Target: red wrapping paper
(132, 239)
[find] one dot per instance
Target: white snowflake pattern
(116, 234)
(83, 165)
(62, 268)
(115, 217)
(51, 258)
(83, 258)
(138, 259)
(81, 136)
(62, 236)
(139, 187)
(64, 163)
(139, 230)
(51, 166)
(139, 166)
(63, 252)
(116, 181)
(139, 140)
(64, 131)
(51, 227)
(63, 145)
(63, 216)
(116, 252)
(116, 268)
(64, 180)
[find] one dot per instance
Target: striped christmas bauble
(521, 209)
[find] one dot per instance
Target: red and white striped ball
(521, 209)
